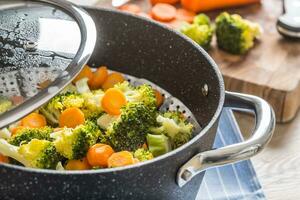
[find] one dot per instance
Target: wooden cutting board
(270, 70)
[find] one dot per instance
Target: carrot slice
(131, 8)
(78, 165)
(112, 101)
(86, 72)
(159, 98)
(98, 78)
(163, 12)
(185, 15)
(16, 129)
(112, 79)
(34, 120)
(71, 117)
(120, 159)
(153, 2)
(3, 159)
(98, 155)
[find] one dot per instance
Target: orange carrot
(159, 98)
(86, 72)
(112, 101)
(78, 165)
(185, 15)
(112, 79)
(71, 117)
(153, 2)
(131, 8)
(120, 159)
(205, 5)
(163, 12)
(3, 159)
(98, 155)
(16, 129)
(98, 78)
(34, 120)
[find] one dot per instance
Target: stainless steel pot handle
(265, 124)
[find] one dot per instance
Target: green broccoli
(105, 120)
(92, 103)
(143, 93)
(129, 131)
(59, 103)
(235, 34)
(27, 134)
(174, 125)
(5, 104)
(142, 154)
(201, 19)
(200, 31)
(158, 144)
(74, 143)
(35, 154)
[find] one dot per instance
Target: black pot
(146, 49)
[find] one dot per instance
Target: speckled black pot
(143, 49)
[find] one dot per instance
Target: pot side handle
(264, 128)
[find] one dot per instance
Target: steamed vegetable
(25, 135)
(174, 125)
(130, 130)
(86, 72)
(34, 120)
(98, 78)
(120, 159)
(98, 155)
(81, 164)
(158, 144)
(143, 93)
(112, 79)
(71, 117)
(74, 143)
(143, 154)
(112, 101)
(35, 154)
(235, 34)
(53, 109)
(200, 31)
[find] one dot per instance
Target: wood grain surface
(271, 69)
(278, 166)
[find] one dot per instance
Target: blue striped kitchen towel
(232, 182)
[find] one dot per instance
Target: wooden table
(278, 167)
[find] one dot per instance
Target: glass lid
(43, 46)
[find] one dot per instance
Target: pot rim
(162, 157)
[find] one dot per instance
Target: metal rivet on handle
(205, 90)
(30, 46)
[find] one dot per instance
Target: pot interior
(144, 49)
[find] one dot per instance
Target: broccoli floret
(73, 144)
(174, 125)
(143, 93)
(200, 31)
(235, 34)
(130, 130)
(82, 86)
(158, 144)
(59, 103)
(201, 19)
(5, 104)
(25, 135)
(92, 103)
(106, 120)
(35, 154)
(142, 154)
